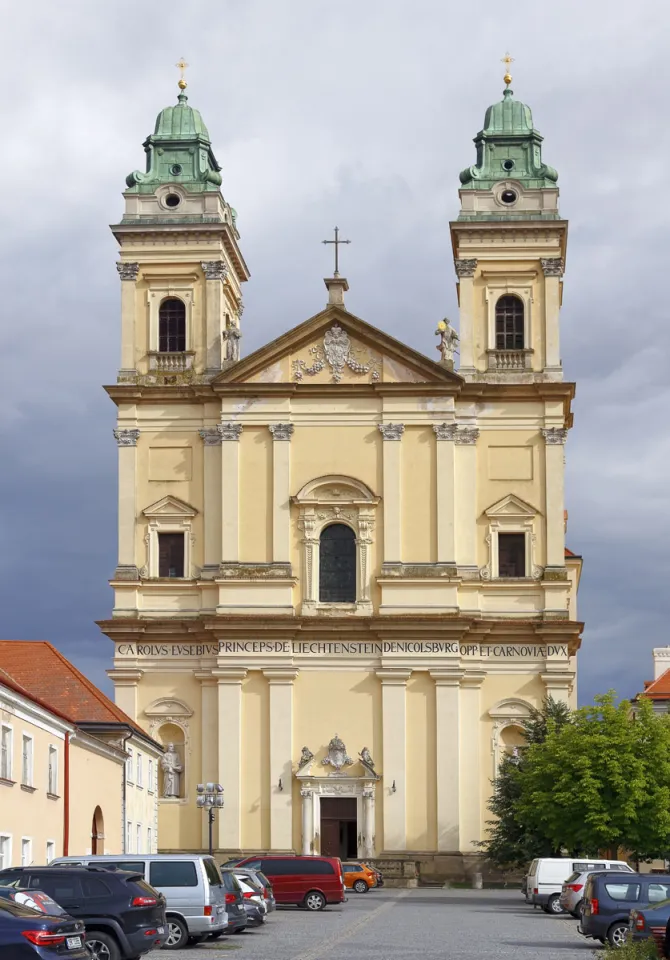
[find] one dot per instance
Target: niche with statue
(171, 782)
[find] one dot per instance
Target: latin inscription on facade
(486, 651)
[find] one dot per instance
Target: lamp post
(210, 796)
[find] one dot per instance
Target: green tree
(602, 781)
(512, 840)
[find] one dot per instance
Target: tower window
(508, 196)
(509, 323)
(337, 564)
(508, 165)
(170, 554)
(172, 326)
(511, 555)
(173, 199)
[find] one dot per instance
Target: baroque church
(342, 579)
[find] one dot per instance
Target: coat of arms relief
(337, 352)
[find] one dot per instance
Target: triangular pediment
(334, 347)
(170, 507)
(511, 506)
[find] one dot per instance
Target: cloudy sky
(361, 113)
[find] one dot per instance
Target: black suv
(123, 915)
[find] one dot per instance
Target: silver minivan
(195, 898)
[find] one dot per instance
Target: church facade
(342, 580)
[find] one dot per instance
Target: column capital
(211, 436)
(230, 430)
(473, 680)
(125, 676)
(465, 268)
(552, 266)
(127, 437)
(467, 435)
(232, 675)
(281, 431)
(393, 676)
(214, 269)
(306, 792)
(447, 678)
(281, 674)
(128, 270)
(391, 431)
(445, 431)
(554, 435)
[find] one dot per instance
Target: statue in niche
(306, 756)
(447, 345)
(172, 770)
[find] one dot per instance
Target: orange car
(359, 877)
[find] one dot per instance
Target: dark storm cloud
(357, 113)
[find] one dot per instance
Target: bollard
(477, 882)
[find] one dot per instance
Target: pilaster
(445, 434)
(212, 485)
(447, 719)
(280, 681)
(465, 271)
(230, 490)
(128, 272)
(553, 271)
(125, 689)
(215, 272)
(210, 769)
(307, 797)
(126, 439)
(554, 441)
(470, 762)
(465, 495)
(229, 735)
(281, 491)
(394, 760)
(392, 434)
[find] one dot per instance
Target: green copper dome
(508, 116)
(180, 122)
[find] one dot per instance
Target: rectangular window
(150, 779)
(511, 555)
(139, 838)
(658, 892)
(149, 841)
(5, 851)
(6, 753)
(170, 554)
(626, 892)
(129, 765)
(129, 837)
(139, 771)
(27, 761)
(26, 852)
(172, 873)
(51, 850)
(53, 770)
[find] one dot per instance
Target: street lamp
(210, 796)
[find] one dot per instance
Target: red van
(310, 882)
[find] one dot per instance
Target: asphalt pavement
(423, 924)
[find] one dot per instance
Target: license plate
(73, 942)
(161, 929)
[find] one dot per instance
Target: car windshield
(263, 879)
(573, 876)
(21, 910)
(250, 880)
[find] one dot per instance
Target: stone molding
(465, 268)
(391, 431)
(412, 571)
(214, 269)
(281, 431)
(555, 435)
(445, 431)
(230, 430)
(126, 571)
(255, 571)
(127, 437)
(552, 266)
(467, 435)
(128, 271)
(211, 436)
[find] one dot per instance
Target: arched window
(172, 326)
(337, 564)
(509, 323)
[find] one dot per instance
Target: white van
(546, 877)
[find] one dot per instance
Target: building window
(129, 837)
(53, 770)
(337, 564)
(139, 772)
(511, 555)
(150, 848)
(26, 852)
(6, 753)
(170, 554)
(150, 780)
(129, 765)
(139, 838)
(27, 761)
(509, 323)
(172, 326)
(5, 851)
(51, 850)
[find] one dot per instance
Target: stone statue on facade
(231, 343)
(306, 756)
(367, 761)
(447, 345)
(337, 755)
(172, 770)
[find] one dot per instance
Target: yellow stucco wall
(96, 781)
(422, 760)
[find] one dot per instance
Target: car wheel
(618, 934)
(579, 909)
(314, 900)
(554, 904)
(177, 934)
(101, 946)
(360, 886)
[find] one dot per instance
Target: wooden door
(330, 838)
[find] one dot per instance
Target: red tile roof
(47, 676)
(569, 553)
(658, 689)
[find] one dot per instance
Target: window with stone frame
(172, 326)
(509, 323)
(511, 555)
(171, 555)
(337, 564)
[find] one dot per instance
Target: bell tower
(509, 245)
(181, 268)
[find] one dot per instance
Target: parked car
(650, 921)
(237, 915)
(252, 893)
(27, 934)
(268, 892)
(572, 894)
(195, 898)
(359, 877)
(35, 899)
(310, 882)
(609, 898)
(548, 874)
(123, 915)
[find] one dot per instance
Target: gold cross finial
(181, 65)
(507, 60)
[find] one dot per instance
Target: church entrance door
(339, 828)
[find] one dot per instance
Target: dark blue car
(26, 934)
